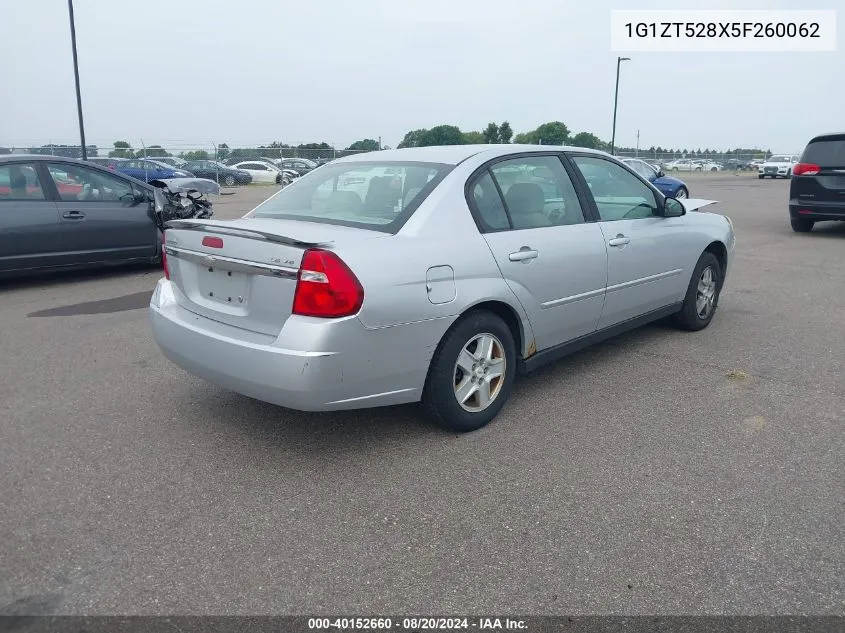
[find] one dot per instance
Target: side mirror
(672, 208)
(660, 173)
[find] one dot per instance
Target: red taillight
(164, 256)
(806, 169)
(326, 287)
(212, 242)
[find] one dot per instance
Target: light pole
(619, 61)
(76, 76)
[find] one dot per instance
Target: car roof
(829, 136)
(455, 154)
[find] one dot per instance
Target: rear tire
(801, 225)
(682, 192)
(702, 296)
(229, 181)
(460, 367)
(760, 176)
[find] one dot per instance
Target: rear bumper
(817, 210)
(313, 365)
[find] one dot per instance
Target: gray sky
(341, 70)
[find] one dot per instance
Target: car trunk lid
(244, 272)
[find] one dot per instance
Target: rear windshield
(826, 153)
(380, 196)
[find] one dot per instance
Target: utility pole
(76, 77)
(619, 61)
(379, 143)
(637, 153)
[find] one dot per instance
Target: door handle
(523, 255)
(619, 240)
(73, 215)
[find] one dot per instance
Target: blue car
(146, 170)
(668, 186)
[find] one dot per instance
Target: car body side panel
(312, 365)
(668, 186)
(108, 231)
(647, 273)
(30, 235)
(397, 291)
(563, 289)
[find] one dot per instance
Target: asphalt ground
(659, 473)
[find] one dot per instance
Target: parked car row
(148, 169)
(300, 166)
(704, 164)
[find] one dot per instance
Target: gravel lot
(661, 472)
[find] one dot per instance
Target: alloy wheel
(705, 296)
(479, 372)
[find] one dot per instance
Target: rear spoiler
(694, 204)
(216, 226)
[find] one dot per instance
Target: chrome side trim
(572, 299)
(645, 280)
(230, 263)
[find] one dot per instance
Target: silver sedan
(435, 274)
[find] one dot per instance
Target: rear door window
(537, 192)
(20, 182)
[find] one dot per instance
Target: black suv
(817, 191)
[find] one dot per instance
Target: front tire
(760, 176)
(229, 181)
(471, 374)
(682, 192)
(702, 296)
(801, 225)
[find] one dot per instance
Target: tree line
(550, 133)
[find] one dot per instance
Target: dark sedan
(65, 213)
(218, 172)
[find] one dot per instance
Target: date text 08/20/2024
(416, 624)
